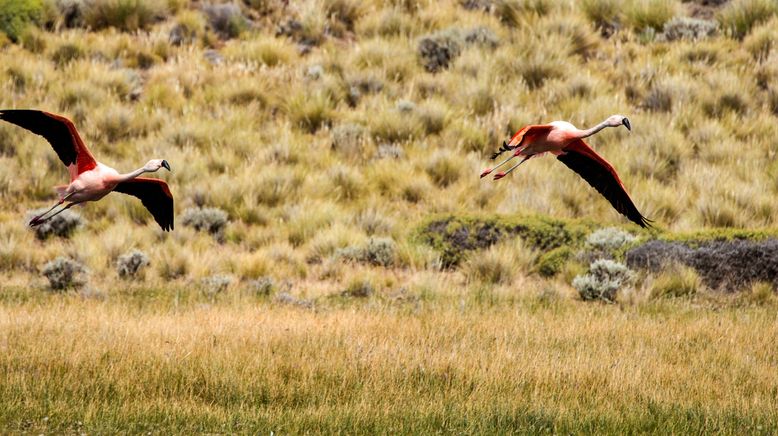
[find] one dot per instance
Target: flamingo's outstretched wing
(155, 196)
(61, 134)
(579, 157)
(525, 132)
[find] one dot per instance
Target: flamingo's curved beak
(625, 121)
(166, 165)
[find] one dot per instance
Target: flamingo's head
(618, 120)
(155, 164)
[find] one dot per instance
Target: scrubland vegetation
(337, 264)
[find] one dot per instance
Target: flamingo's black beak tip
(625, 121)
(166, 165)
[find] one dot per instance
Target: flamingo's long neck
(130, 176)
(589, 132)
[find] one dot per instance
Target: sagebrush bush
(609, 238)
(208, 219)
(215, 284)
(64, 273)
(602, 282)
(130, 265)
(62, 225)
(689, 28)
(263, 286)
(378, 252)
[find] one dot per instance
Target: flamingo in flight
(566, 142)
(91, 180)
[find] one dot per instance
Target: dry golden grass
(535, 365)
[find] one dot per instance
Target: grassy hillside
(325, 158)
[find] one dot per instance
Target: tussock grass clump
(762, 40)
(738, 17)
(676, 281)
(131, 265)
(603, 13)
(189, 27)
(64, 273)
(127, 15)
(63, 225)
(349, 139)
(309, 111)
(653, 14)
(378, 252)
(443, 168)
(602, 282)
(208, 219)
(263, 50)
(359, 288)
(67, 53)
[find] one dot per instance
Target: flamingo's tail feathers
(505, 147)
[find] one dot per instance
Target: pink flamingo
(566, 142)
(91, 180)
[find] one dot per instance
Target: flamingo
(91, 180)
(566, 142)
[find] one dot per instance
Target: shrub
(263, 286)
(722, 264)
(64, 273)
(226, 19)
(739, 16)
(62, 225)
(689, 28)
(127, 15)
(552, 262)
(209, 219)
(609, 239)
(438, 50)
(378, 251)
(482, 36)
(130, 265)
(604, 279)
(381, 252)
(215, 284)
(16, 15)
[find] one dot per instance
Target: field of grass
(312, 144)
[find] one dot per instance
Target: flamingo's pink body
(566, 142)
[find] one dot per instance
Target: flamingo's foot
(36, 221)
(486, 172)
(499, 176)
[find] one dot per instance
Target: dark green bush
(16, 15)
(552, 262)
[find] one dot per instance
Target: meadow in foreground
(326, 272)
(529, 363)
